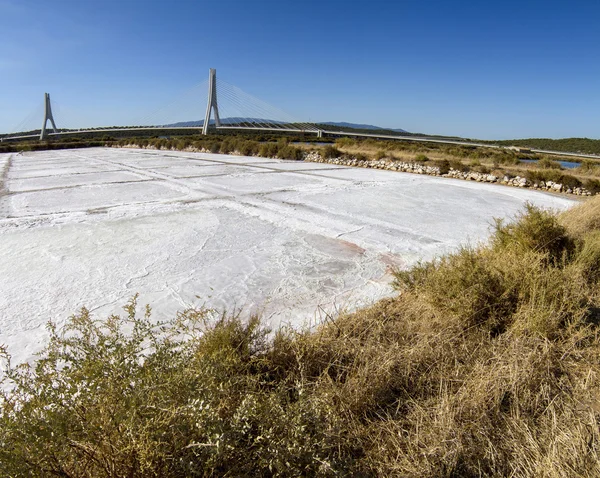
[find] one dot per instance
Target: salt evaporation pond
(289, 240)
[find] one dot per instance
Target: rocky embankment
(418, 168)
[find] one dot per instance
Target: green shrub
(535, 231)
(290, 152)
(345, 142)
(421, 158)
(592, 185)
(443, 165)
(268, 150)
(458, 166)
(569, 181)
(227, 146)
(248, 148)
(330, 152)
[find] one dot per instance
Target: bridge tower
(212, 101)
(47, 116)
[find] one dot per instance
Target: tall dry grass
(487, 363)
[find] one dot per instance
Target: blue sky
(474, 69)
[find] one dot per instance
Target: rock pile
(419, 168)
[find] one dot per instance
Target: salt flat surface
(289, 240)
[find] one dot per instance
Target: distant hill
(233, 120)
(362, 126)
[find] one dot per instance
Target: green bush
(535, 231)
(268, 150)
(421, 158)
(458, 166)
(248, 148)
(290, 152)
(345, 142)
(227, 146)
(214, 147)
(592, 185)
(330, 152)
(443, 165)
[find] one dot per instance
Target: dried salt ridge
(417, 168)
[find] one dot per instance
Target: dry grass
(487, 363)
(479, 159)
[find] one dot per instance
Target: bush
(535, 231)
(443, 165)
(227, 146)
(290, 152)
(569, 181)
(330, 152)
(345, 142)
(214, 147)
(458, 166)
(592, 185)
(248, 148)
(268, 150)
(421, 158)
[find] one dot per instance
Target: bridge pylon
(212, 101)
(47, 116)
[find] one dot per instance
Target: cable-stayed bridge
(227, 108)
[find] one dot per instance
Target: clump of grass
(588, 167)
(485, 364)
(421, 158)
(546, 163)
(345, 142)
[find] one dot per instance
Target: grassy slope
(486, 363)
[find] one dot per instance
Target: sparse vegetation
(546, 163)
(580, 145)
(485, 364)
